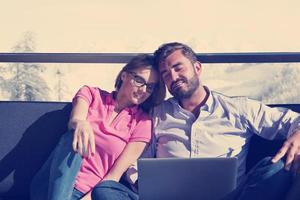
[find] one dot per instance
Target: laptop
(186, 178)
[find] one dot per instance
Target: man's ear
(198, 67)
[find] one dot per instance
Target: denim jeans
(266, 180)
(112, 190)
(55, 180)
(76, 194)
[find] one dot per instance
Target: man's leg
(112, 190)
(266, 180)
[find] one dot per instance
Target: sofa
(30, 130)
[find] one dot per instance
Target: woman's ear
(123, 76)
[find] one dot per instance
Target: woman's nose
(143, 88)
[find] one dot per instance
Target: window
(141, 26)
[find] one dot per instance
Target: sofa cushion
(28, 131)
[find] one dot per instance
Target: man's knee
(267, 164)
(265, 169)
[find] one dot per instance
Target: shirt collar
(209, 101)
(110, 99)
(207, 106)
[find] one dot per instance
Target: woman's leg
(76, 195)
(112, 190)
(55, 180)
(64, 168)
(40, 182)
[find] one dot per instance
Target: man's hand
(290, 148)
(83, 140)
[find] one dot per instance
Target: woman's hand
(83, 140)
(110, 177)
(87, 196)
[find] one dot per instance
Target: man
(198, 122)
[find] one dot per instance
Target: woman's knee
(109, 190)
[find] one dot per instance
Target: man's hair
(168, 48)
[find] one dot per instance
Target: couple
(109, 131)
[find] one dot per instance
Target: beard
(184, 93)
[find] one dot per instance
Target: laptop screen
(186, 178)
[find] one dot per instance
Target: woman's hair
(144, 61)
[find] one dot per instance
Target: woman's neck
(121, 102)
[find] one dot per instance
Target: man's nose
(174, 75)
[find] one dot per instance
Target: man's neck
(194, 103)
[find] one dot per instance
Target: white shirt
(223, 128)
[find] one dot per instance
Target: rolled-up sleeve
(86, 93)
(294, 127)
(269, 123)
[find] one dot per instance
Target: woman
(111, 130)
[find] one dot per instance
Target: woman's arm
(130, 154)
(83, 140)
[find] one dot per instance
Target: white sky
(142, 25)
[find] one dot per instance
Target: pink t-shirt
(131, 124)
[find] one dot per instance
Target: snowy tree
(61, 88)
(25, 81)
(2, 80)
(282, 88)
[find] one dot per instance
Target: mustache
(177, 80)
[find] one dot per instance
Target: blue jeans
(266, 180)
(112, 190)
(76, 194)
(55, 180)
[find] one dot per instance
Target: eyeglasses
(139, 81)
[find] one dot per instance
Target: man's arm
(269, 123)
(272, 123)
